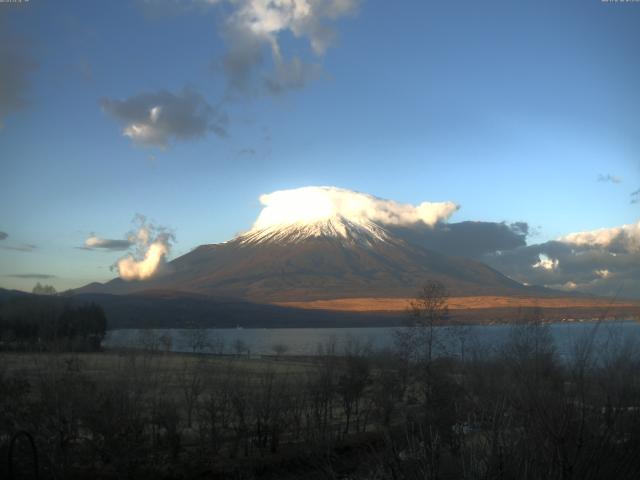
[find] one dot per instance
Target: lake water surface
(305, 341)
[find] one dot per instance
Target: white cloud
(106, 243)
(153, 244)
(625, 238)
(256, 25)
(303, 18)
(154, 113)
(546, 263)
(131, 268)
(311, 204)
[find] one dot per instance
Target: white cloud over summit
(311, 204)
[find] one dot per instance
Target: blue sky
(510, 109)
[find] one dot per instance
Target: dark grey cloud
(35, 276)
(94, 242)
(3, 235)
(608, 178)
(15, 67)
(467, 239)
(155, 119)
(586, 268)
(635, 196)
(599, 262)
(25, 247)
(244, 56)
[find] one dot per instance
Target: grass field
(461, 303)
(112, 364)
(148, 414)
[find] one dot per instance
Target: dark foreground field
(514, 413)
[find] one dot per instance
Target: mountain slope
(331, 258)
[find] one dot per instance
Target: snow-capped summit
(354, 218)
(323, 243)
(355, 233)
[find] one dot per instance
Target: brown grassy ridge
(380, 304)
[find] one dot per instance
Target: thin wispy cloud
(246, 152)
(16, 66)
(291, 75)
(608, 178)
(95, 242)
(164, 8)
(34, 276)
(25, 247)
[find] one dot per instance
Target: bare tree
(148, 340)
(352, 382)
(40, 289)
(240, 347)
(166, 341)
(426, 312)
(195, 337)
(216, 343)
(191, 383)
(279, 349)
(460, 334)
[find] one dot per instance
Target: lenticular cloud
(313, 204)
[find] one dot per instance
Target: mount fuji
(323, 257)
(320, 256)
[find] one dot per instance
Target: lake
(305, 341)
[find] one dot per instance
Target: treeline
(519, 411)
(36, 322)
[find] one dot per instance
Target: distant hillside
(324, 260)
(170, 309)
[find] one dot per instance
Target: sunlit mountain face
(328, 242)
(323, 243)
